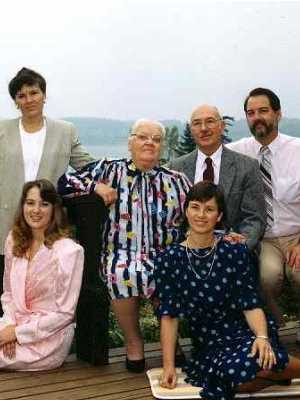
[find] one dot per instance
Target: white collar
(273, 146)
(216, 156)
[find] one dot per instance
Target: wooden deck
(78, 380)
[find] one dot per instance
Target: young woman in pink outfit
(42, 280)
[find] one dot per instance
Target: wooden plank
(7, 375)
(144, 394)
(80, 381)
(83, 389)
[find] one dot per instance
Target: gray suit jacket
(242, 185)
(61, 149)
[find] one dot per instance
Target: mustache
(259, 122)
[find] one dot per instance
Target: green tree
(171, 142)
(229, 121)
(186, 143)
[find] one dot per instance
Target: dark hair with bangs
(204, 191)
(28, 77)
(58, 227)
(273, 98)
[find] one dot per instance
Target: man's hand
(293, 256)
(8, 334)
(108, 194)
(233, 238)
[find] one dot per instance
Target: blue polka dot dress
(211, 293)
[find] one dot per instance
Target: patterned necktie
(208, 174)
(265, 168)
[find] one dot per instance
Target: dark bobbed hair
(28, 77)
(58, 227)
(204, 191)
(273, 98)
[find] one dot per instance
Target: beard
(263, 131)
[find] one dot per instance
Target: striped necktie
(265, 168)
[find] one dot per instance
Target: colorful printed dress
(143, 221)
(212, 293)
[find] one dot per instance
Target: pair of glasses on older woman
(157, 139)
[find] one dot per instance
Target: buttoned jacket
(61, 149)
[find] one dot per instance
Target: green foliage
(171, 142)
(148, 322)
(116, 338)
(229, 121)
(186, 142)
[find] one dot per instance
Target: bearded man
(278, 155)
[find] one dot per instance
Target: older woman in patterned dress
(144, 217)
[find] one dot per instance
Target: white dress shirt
(201, 165)
(32, 147)
(285, 152)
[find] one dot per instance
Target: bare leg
(127, 313)
(290, 372)
(254, 386)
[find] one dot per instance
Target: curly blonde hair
(57, 229)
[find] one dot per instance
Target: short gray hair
(143, 121)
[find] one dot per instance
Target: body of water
(119, 150)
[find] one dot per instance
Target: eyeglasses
(157, 139)
(207, 123)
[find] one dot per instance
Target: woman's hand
(8, 334)
(266, 356)
(9, 350)
(168, 378)
(108, 194)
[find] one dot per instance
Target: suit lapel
(189, 166)
(16, 145)
(227, 171)
(48, 145)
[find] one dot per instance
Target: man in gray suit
(237, 174)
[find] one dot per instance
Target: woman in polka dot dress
(211, 283)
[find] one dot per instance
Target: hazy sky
(129, 59)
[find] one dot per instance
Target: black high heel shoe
(136, 366)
